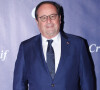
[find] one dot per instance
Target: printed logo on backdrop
(3, 55)
(94, 48)
(33, 12)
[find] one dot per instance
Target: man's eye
(43, 17)
(52, 16)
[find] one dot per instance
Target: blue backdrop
(17, 23)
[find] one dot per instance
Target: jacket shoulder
(31, 41)
(72, 36)
(74, 39)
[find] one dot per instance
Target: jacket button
(52, 85)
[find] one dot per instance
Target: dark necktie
(51, 58)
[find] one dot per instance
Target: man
(52, 60)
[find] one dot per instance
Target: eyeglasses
(44, 17)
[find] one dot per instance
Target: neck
(50, 36)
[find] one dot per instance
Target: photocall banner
(17, 23)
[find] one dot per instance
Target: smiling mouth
(49, 26)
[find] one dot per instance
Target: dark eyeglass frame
(44, 17)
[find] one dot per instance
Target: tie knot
(50, 42)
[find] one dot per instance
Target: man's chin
(51, 34)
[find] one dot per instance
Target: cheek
(57, 22)
(41, 25)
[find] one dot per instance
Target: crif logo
(94, 48)
(3, 54)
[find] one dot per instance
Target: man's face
(49, 28)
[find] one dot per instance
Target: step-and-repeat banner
(17, 23)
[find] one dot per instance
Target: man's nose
(48, 20)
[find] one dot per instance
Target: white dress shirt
(56, 44)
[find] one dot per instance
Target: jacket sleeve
(87, 74)
(19, 80)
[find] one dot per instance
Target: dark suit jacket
(74, 71)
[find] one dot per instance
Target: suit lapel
(41, 55)
(65, 51)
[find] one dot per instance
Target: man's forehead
(46, 5)
(46, 9)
